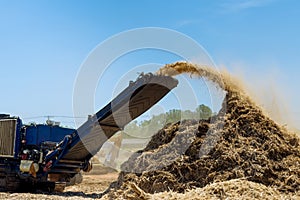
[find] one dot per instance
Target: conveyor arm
(133, 101)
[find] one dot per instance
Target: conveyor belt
(136, 99)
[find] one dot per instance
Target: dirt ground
(92, 187)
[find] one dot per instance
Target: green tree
(203, 112)
(173, 116)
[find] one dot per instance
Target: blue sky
(43, 44)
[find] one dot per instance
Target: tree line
(146, 128)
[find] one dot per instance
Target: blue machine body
(18, 137)
(36, 134)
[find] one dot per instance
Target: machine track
(9, 181)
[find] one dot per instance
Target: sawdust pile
(240, 143)
(232, 189)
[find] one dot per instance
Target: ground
(92, 187)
